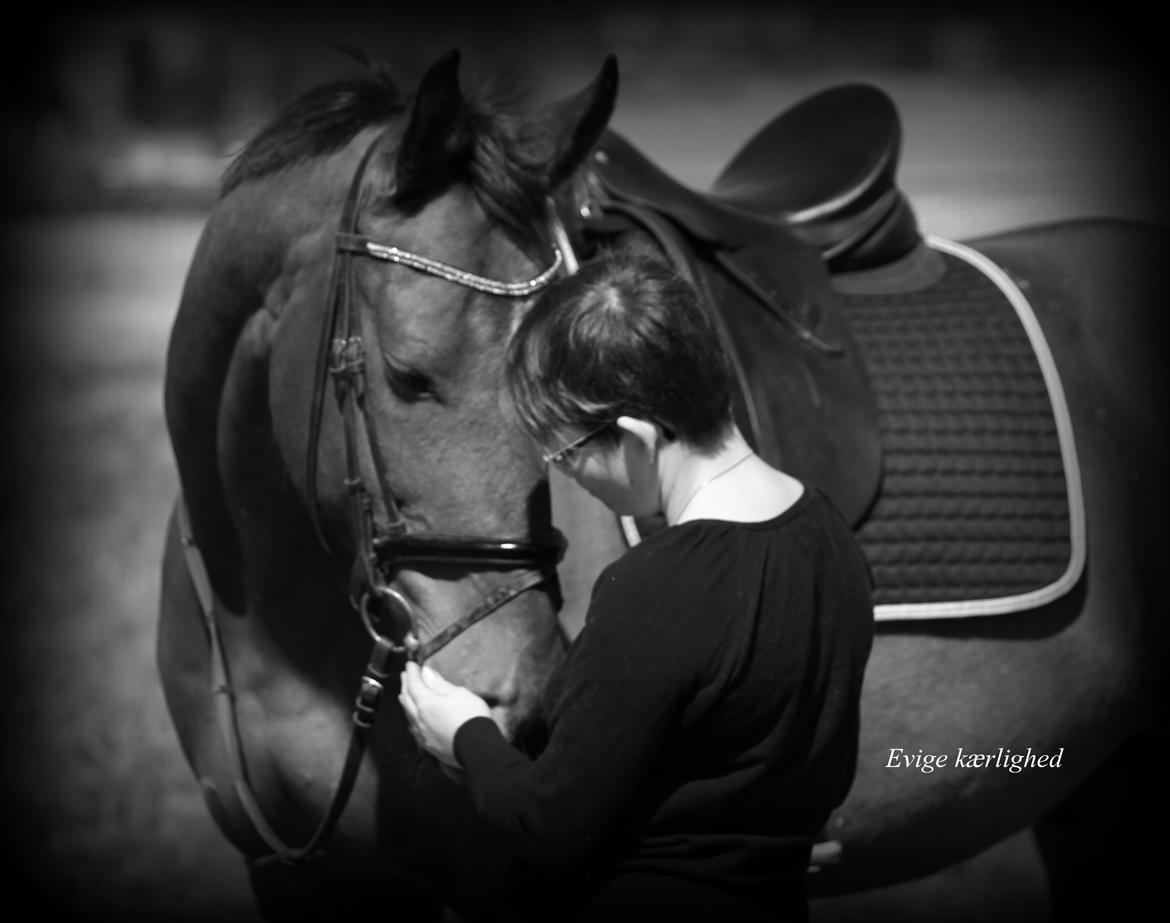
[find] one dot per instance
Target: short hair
(625, 335)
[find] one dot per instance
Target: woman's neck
(685, 473)
(732, 484)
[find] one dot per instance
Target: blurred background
(138, 105)
(118, 120)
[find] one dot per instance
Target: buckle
(366, 704)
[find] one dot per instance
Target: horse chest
(274, 748)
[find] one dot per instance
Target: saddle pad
(980, 510)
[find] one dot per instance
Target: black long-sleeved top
(704, 722)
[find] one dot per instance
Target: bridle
(382, 538)
(384, 542)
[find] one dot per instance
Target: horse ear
(579, 120)
(437, 139)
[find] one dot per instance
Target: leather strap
(365, 706)
(339, 285)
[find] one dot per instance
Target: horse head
(401, 486)
(417, 477)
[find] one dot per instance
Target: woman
(704, 722)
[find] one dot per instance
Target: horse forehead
(455, 229)
(439, 320)
(423, 310)
(451, 223)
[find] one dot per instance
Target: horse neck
(221, 346)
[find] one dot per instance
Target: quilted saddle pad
(980, 510)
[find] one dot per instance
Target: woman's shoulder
(804, 504)
(699, 552)
(662, 565)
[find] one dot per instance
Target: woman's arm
(618, 703)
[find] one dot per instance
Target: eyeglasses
(563, 456)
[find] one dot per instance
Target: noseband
(384, 542)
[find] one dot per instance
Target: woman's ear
(647, 433)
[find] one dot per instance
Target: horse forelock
(507, 169)
(503, 163)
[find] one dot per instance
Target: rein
(383, 543)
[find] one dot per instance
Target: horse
(385, 246)
(351, 494)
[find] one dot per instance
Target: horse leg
(1095, 843)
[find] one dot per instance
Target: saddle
(822, 173)
(812, 193)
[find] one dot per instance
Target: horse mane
(315, 124)
(505, 169)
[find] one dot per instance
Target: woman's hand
(436, 709)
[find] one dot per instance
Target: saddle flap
(808, 408)
(803, 399)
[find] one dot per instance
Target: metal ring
(392, 597)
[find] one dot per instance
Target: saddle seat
(821, 172)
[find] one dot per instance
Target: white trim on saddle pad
(1041, 596)
(1021, 602)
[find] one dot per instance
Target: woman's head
(624, 336)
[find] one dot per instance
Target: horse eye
(407, 383)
